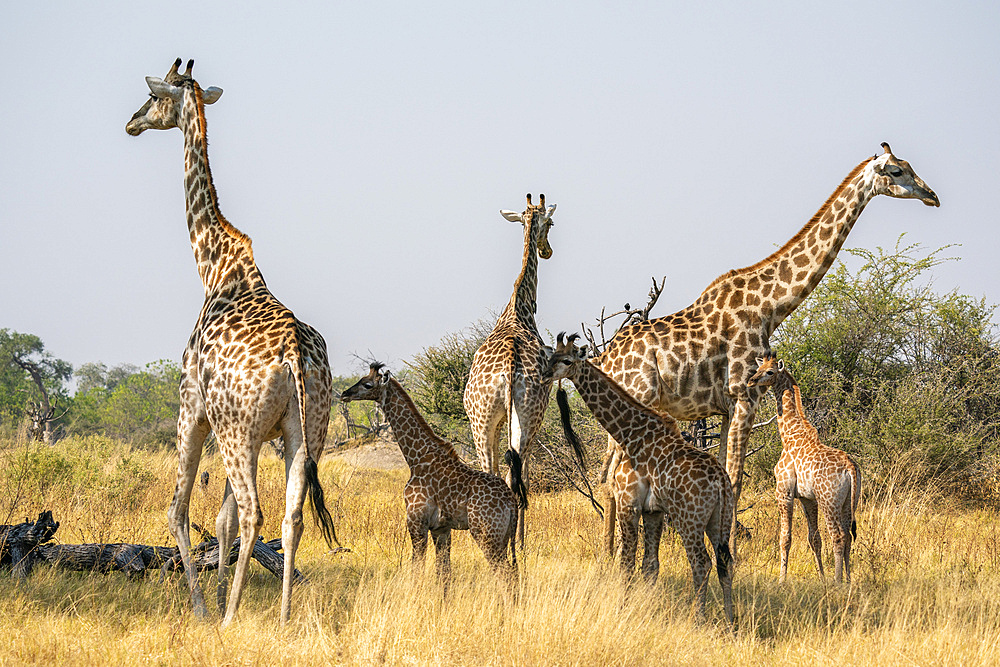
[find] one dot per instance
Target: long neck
(522, 305)
(779, 283)
(416, 440)
(791, 413)
(625, 419)
(223, 253)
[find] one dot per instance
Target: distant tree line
(905, 379)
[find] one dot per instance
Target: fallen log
(19, 542)
(206, 557)
(132, 559)
(23, 545)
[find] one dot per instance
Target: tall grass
(925, 587)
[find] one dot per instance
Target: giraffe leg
(486, 435)
(192, 429)
(226, 529)
(739, 434)
(628, 534)
(611, 458)
(493, 529)
(846, 519)
(292, 524)
(724, 439)
(811, 510)
(442, 556)
(834, 525)
(786, 508)
(416, 526)
(652, 523)
(520, 510)
(700, 561)
(714, 532)
(243, 475)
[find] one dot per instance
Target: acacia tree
(31, 381)
(904, 378)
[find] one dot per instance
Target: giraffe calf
(444, 494)
(658, 476)
(819, 476)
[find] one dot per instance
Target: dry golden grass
(926, 588)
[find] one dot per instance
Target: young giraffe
(695, 363)
(513, 350)
(658, 476)
(819, 476)
(251, 371)
(444, 494)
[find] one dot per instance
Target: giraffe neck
(417, 441)
(624, 418)
(791, 413)
(779, 283)
(522, 306)
(223, 253)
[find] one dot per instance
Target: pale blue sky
(367, 148)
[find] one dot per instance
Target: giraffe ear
(781, 365)
(211, 95)
(161, 88)
(582, 352)
(510, 215)
(550, 210)
(547, 352)
(760, 361)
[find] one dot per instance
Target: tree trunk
(19, 543)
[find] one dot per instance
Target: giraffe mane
(238, 236)
(813, 221)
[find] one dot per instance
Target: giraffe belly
(451, 518)
(804, 489)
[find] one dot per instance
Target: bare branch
(589, 493)
(632, 316)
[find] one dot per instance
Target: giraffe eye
(895, 171)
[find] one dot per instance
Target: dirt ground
(381, 455)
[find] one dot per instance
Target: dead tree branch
(562, 468)
(632, 316)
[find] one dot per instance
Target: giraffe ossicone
(250, 372)
(821, 477)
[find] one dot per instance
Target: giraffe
(819, 476)
(695, 363)
(444, 494)
(658, 476)
(510, 357)
(251, 371)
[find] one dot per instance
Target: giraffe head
(162, 110)
(896, 178)
(563, 362)
(538, 219)
(769, 370)
(369, 388)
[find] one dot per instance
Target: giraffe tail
(320, 513)
(513, 460)
(855, 496)
(563, 401)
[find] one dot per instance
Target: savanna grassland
(926, 587)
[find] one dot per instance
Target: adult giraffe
(696, 362)
(505, 380)
(251, 371)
